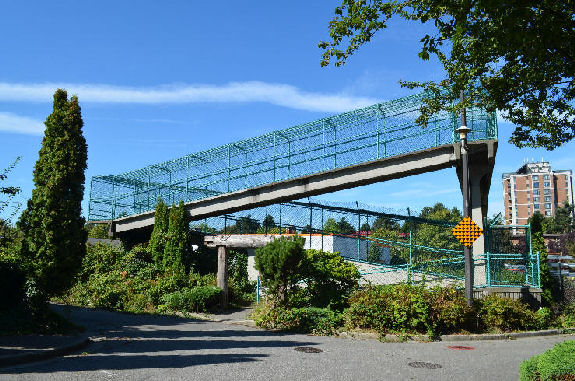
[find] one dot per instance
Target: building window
(536, 206)
(536, 185)
(535, 177)
(566, 184)
(547, 198)
(535, 199)
(546, 177)
(535, 191)
(546, 184)
(548, 205)
(547, 213)
(547, 191)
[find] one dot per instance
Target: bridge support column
(481, 165)
(222, 277)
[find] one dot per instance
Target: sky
(159, 80)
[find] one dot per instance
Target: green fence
(375, 132)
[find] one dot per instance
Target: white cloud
(235, 92)
(10, 122)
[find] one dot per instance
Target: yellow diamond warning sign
(467, 231)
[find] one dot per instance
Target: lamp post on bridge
(463, 131)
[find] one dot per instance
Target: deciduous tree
(517, 57)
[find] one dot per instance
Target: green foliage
(558, 363)
(244, 225)
(279, 264)
(240, 288)
(538, 246)
(319, 321)
(438, 236)
(562, 221)
(10, 190)
(385, 223)
(159, 235)
(330, 280)
(197, 299)
(100, 258)
(112, 278)
(177, 245)
(506, 56)
(338, 227)
(505, 314)
(391, 308)
(53, 227)
(98, 230)
(568, 317)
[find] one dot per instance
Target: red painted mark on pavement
(460, 348)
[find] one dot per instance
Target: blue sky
(158, 80)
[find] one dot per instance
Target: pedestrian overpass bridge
(373, 144)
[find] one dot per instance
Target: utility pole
(463, 131)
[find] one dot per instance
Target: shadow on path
(126, 341)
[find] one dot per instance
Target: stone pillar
(222, 277)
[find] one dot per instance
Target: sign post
(463, 131)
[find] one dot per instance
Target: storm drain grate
(460, 347)
(308, 349)
(426, 365)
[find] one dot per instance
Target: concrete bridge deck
(395, 167)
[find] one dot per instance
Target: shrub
(558, 363)
(407, 308)
(504, 314)
(100, 258)
(279, 264)
(390, 308)
(320, 321)
(449, 310)
(568, 316)
(197, 299)
(330, 280)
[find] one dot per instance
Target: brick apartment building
(535, 187)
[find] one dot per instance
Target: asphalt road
(136, 347)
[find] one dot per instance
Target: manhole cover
(426, 365)
(460, 347)
(308, 349)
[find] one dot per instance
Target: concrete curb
(41, 355)
(506, 336)
(470, 337)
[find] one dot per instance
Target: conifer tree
(178, 242)
(160, 232)
(53, 227)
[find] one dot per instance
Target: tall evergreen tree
(177, 245)
(160, 232)
(54, 236)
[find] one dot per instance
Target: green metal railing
(375, 132)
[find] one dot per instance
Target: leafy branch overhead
(516, 57)
(12, 191)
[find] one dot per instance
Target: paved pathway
(148, 347)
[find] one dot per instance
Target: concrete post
(252, 272)
(481, 165)
(222, 277)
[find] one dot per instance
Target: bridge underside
(482, 154)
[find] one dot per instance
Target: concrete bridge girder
(390, 168)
